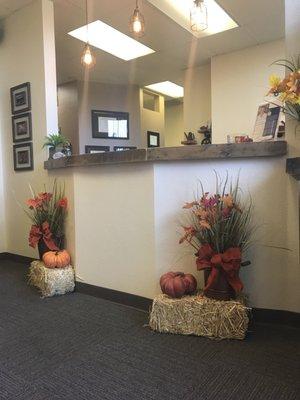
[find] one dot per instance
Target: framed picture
(20, 98)
(22, 127)
(110, 125)
(96, 149)
(23, 157)
(153, 139)
(122, 148)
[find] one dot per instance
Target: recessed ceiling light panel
(167, 88)
(109, 39)
(179, 10)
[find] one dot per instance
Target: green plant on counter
(56, 140)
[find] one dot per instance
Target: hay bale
(51, 282)
(200, 316)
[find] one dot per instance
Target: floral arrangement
(47, 211)
(219, 229)
(288, 89)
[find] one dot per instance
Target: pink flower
(45, 196)
(34, 203)
(63, 203)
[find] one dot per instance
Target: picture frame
(124, 148)
(110, 125)
(96, 149)
(20, 98)
(153, 139)
(22, 127)
(23, 157)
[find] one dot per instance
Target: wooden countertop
(182, 153)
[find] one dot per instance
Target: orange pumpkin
(56, 259)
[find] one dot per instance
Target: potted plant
(57, 143)
(47, 211)
(287, 90)
(219, 229)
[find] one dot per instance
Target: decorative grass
(51, 282)
(200, 316)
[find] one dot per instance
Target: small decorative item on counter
(51, 281)
(177, 284)
(47, 211)
(287, 90)
(189, 139)
(59, 146)
(243, 139)
(56, 259)
(200, 316)
(206, 131)
(219, 229)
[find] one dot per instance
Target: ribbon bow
(229, 262)
(41, 232)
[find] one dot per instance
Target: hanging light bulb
(88, 60)
(137, 22)
(198, 16)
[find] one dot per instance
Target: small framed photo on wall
(20, 98)
(22, 127)
(153, 139)
(23, 157)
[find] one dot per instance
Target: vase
(43, 248)
(220, 289)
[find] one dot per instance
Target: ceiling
(7, 7)
(176, 49)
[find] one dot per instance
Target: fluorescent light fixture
(108, 39)
(167, 88)
(179, 11)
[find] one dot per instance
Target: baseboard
(281, 317)
(261, 315)
(16, 257)
(132, 300)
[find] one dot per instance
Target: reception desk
(126, 215)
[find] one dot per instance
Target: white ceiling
(176, 49)
(7, 7)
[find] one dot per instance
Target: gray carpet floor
(81, 347)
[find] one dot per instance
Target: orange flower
(204, 224)
(190, 205)
(63, 203)
(189, 233)
(228, 200)
(34, 203)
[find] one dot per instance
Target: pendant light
(137, 22)
(198, 16)
(88, 60)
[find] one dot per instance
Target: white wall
(153, 121)
(114, 214)
(239, 83)
(197, 98)
(68, 119)
(27, 54)
(174, 129)
(101, 96)
(128, 226)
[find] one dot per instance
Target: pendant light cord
(87, 21)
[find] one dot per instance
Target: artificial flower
(34, 203)
(190, 205)
(63, 203)
(45, 196)
(189, 233)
